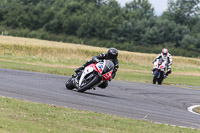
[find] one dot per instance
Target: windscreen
(108, 66)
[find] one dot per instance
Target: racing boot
(167, 73)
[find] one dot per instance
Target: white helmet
(164, 52)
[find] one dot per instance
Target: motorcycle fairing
(100, 68)
(86, 71)
(92, 67)
(107, 70)
(104, 68)
(108, 75)
(160, 64)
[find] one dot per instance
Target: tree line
(104, 23)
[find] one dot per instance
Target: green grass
(197, 110)
(36, 68)
(183, 80)
(175, 80)
(22, 116)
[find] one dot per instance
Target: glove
(95, 60)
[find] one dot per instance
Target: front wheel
(161, 79)
(69, 84)
(155, 77)
(90, 84)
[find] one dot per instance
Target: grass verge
(22, 116)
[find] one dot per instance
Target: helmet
(164, 52)
(112, 53)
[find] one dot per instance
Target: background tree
(183, 11)
(139, 9)
(105, 23)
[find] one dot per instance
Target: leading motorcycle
(159, 71)
(92, 76)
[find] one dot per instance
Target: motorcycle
(92, 76)
(159, 71)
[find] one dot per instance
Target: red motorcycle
(92, 76)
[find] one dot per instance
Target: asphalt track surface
(162, 104)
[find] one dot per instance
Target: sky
(158, 5)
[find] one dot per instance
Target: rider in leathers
(165, 55)
(110, 55)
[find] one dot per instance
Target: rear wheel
(89, 84)
(69, 84)
(155, 77)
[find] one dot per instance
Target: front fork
(76, 78)
(154, 72)
(159, 73)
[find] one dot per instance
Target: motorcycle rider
(110, 55)
(165, 55)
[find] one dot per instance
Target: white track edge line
(190, 109)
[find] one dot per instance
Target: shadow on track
(96, 94)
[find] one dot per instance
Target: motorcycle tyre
(69, 84)
(160, 82)
(155, 77)
(89, 85)
(161, 79)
